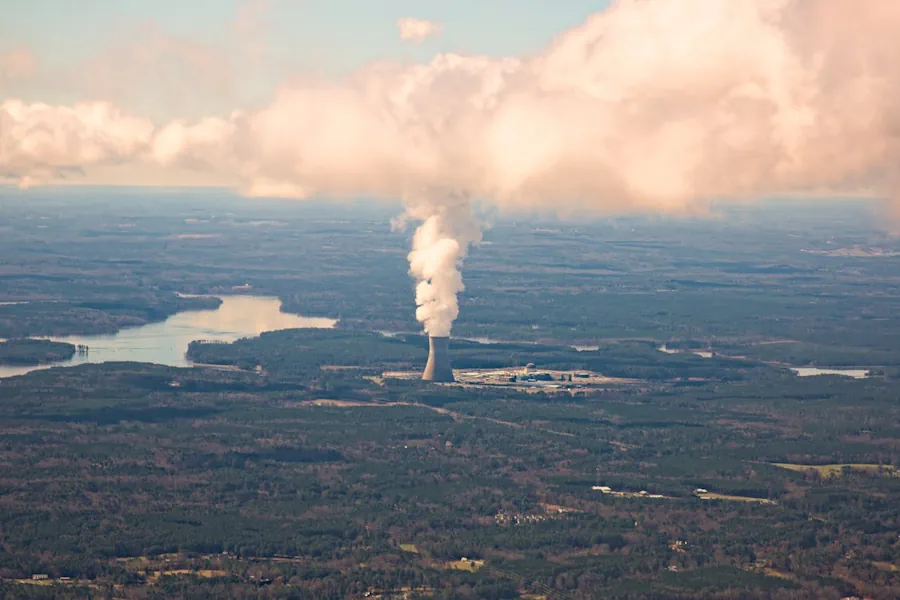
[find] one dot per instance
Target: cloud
(651, 105)
(154, 72)
(418, 30)
(17, 64)
(147, 70)
(40, 142)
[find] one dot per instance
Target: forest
(330, 483)
(27, 352)
(288, 466)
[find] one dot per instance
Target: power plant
(438, 368)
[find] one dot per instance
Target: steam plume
(439, 246)
(653, 105)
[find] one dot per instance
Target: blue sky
(347, 32)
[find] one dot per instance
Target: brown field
(836, 470)
(465, 565)
(711, 496)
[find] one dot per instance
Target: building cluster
(46, 577)
(606, 490)
(502, 518)
(530, 374)
(552, 512)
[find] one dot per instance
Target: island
(28, 352)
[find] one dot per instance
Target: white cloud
(39, 141)
(418, 30)
(653, 105)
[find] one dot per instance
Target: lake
(165, 343)
(700, 353)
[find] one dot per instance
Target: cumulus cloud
(418, 30)
(650, 105)
(39, 141)
(653, 105)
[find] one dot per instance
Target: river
(166, 343)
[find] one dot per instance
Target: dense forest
(27, 352)
(304, 480)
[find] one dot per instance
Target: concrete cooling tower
(438, 368)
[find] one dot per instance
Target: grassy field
(886, 566)
(154, 576)
(836, 470)
(465, 565)
(711, 496)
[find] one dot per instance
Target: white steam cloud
(439, 246)
(656, 105)
(418, 30)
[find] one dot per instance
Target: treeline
(301, 352)
(29, 352)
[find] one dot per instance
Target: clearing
(838, 469)
(465, 564)
(712, 496)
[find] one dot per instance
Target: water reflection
(165, 343)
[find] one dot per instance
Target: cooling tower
(438, 367)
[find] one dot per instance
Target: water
(812, 371)
(165, 343)
(700, 353)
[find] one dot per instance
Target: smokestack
(438, 367)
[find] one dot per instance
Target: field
(465, 564)
(320, 476)
(730, 498)
(838, 470)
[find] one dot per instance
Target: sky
(68, 40)
(62, 28)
